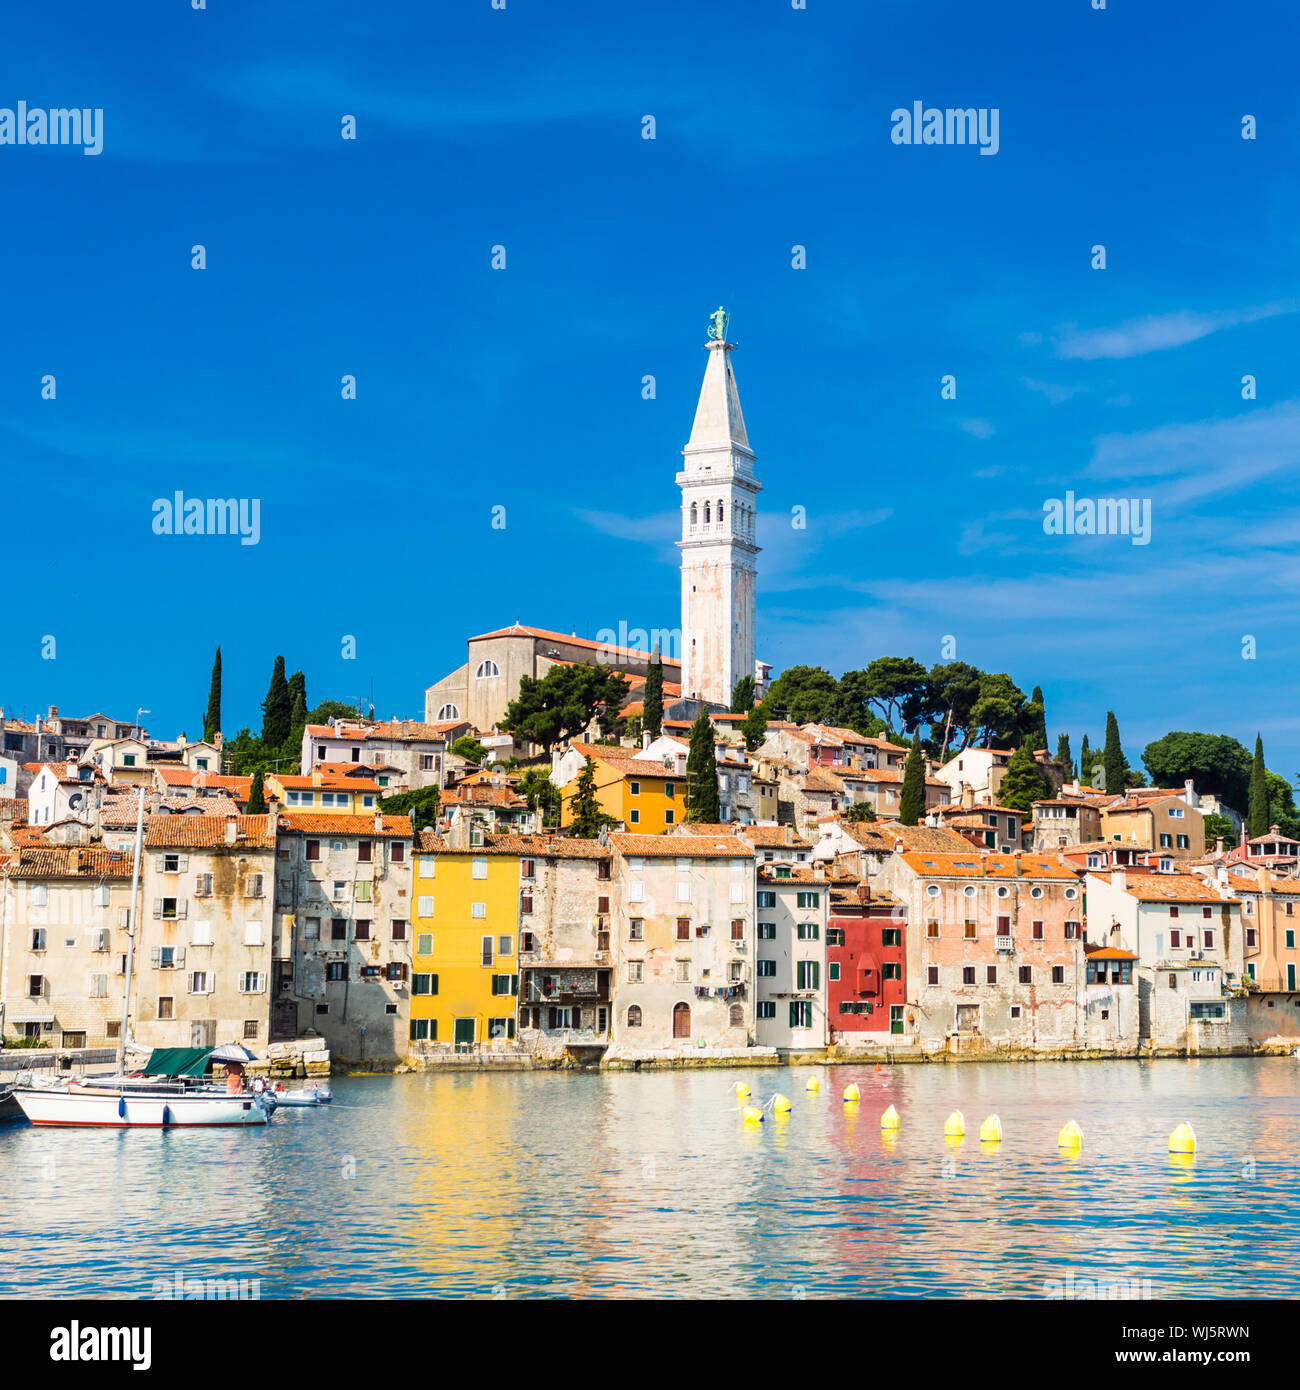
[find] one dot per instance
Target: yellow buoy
(1070, 1137)
(1183, 1140)
(813, 1084)
(780, 1104)
(741, 1089)
(955, 1125)
(889, 1120)
(851, 1092)
(991, 1131)
(752, 1115)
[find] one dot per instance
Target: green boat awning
(178, 1061)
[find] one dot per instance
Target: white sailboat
(168, 1098)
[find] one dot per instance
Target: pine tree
(742, 695)
(1113, 761)
(652, 713)
(911, 804)
(1063, 756)
(702, 774)
(1257, 821)
(586, 817)
(1038, 717)
(212, 720)
(277, 708)
(256, 796)
(1023, 783)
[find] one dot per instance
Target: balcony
(1005, 945)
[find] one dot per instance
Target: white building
(791, 907)
(718, 544)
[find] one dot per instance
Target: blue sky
(522, 387)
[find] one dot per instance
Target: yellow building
(1155, 819)
(643, 794)
(339, 793)
(465, 966)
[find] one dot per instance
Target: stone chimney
(819, 871)
(1019, 865)
(1119, 879)
(155, 800)
(967, 796)
(379, 822)
(645, 739)
(984, 863)
(75, 858)
(72, 768)
(232, 829)
(899, 847)
(1218, 844)
(1189, 793)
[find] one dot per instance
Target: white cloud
(981, 429)
(1156, 332)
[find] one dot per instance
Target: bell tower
(719, 491)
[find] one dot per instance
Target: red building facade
(866, 964)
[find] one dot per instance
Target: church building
(718, 551)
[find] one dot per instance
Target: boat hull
(134, 1110)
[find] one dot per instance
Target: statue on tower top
(718, 322)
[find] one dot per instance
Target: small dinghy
(314, 1096)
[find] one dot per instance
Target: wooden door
(681, 1021)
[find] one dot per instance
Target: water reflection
(636, 1185)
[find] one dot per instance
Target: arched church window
(487, 669)
(719, 511)
(693, 515)
(448, 712)
(706, 514)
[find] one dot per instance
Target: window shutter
(182, 907)
(510, 1027)
(212, 982)
(514, 984)
(794, 1015)
(180, 957)
(157, 907)
(155, 957)
(184, 864)
(433, 984)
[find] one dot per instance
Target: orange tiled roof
(330, 782)
(363, 826)
(997, 866)
(682, 846)
(69, 861)
(518, 630)
(1173, 888)
(208, 832)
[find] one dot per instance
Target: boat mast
(130, 931)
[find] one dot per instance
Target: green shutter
(433, 984)
(514, 989)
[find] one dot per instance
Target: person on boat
(279, 1088)
(234, 1079)
(259, 1085)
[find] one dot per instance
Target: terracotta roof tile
(363, 826)
(682, 846)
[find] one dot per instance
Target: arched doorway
(681, 1020)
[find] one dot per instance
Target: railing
(1005, 943)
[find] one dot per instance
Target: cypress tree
(702, 774)
(277, 708)
(256, 796)
(911, 804)
(742, 695)
(1085, 762)
(1038, 719)
(1023, 783)
(586, 816)
(1113, 761)
(1063, 755)
(298, 690)
(212, 720)
(1257, 821)
(652, 713)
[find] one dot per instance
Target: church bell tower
(719, 491)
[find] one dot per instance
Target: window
(834, 936)
(683, 971)
(765, 898)
(766, 1008)
(968, 974)
(737, 929)
(636, 929)
(487, 670)
(891, 970)
(991, 974)
(1184, 842)
(1026, 974)
(634, 1015)
(99, 986)
(424, 984)
(805, 899)
(634, 788)
(766, 968)
(1205, 1009)
(424, 906)
(361, 929)
(1175, 939)
(683, 929)
(801, 1013)
(166, 1005)
(932, 929)
(448, 712)
(253, 886)
(478, 868)
(252, 933)
(398, 852)
(485, 950)
(313, 850)
(1036, 931)
(766, 931)
(38, 939)
(833, 970)
(365, 851)
(336, 971)
(505, 984)
(889, 936)
(635, 971)
(932, 975)
(399, 928)
(1207, 939)
(1173, 911)
(1290, 937)
(311, 929)
(808, 931)
(1058, 974)
(1072, 932)
(252, 982)
(807, 974)
(1166, 841)
(634, 818)
(505, 946)
(971, 931)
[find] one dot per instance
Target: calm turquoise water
(623, 1185)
